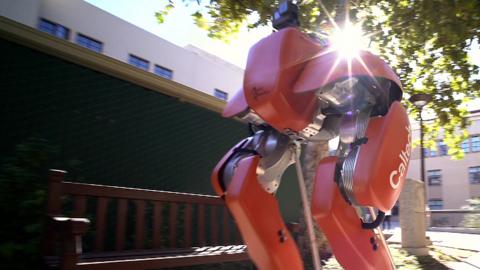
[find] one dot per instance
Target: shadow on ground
(429, 262)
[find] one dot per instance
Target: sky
(179, 27)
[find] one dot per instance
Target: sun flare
(348, 40)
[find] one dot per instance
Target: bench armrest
(74, 226)
(71, 231)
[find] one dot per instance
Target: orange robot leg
(353, 246)
(269, 244)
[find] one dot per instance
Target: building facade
(86, 25)
(450, 182)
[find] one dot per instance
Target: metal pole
(382, 238)
(422, 150)
(422, 160)
(306, 208)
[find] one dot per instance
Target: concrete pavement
(450, 240)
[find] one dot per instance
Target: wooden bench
(135, 228)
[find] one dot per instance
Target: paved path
(451, 240)
(444, 239)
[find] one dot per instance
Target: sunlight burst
(349, 40)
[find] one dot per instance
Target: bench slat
(214, 225)
(137, 194)
(80, 206)
(140, 224)
(201, 225)
(203, 255)
(102, 204)
(122, 208)
(238, 237)
(226, 226)
(188, 225)
(157, 224)
(172, 225)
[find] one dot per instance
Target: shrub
(472, 220)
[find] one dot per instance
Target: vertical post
(306, 208)
(172, 225)
(71, 230)
(121, 224)
(226, 226)
(54, 208)
(80, 206)
(188, 225)
(379, 232)
(214, 225)
(422, 150)
(201, 225)
(412, 217)
(140, 224)
(157, 224)
(422, 159)
(102, 204)
(55, 179)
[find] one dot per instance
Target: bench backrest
(161, 219)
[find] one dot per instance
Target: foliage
(23, 186)
(23, 183)
(472, 220)
(425, 41)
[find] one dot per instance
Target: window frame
(442, 148)
(435, 204)
(140, 59)
(90, 40)
(465, 145)
(220, 93)
(475, 145)
(158, 67)
(474, 170)
(54, 31)
(437, 180)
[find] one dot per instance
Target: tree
(425, 41)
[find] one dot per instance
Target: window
(442, 148)
(163, 72)
(466, 146)
(89, 43)
(434, 177)
(475, 140)
(138, 62)
(474, 175)
(54, 29)
(429, 152)
(435, 204)
(220, 94)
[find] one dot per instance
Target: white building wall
(23, 11)
(455, 188)
(194, 68)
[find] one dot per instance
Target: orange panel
(273, 66)
(353, 247)
(383, 161)
(236, 105)
(258, 217)
(329, 67)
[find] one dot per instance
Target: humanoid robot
(297, 89)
